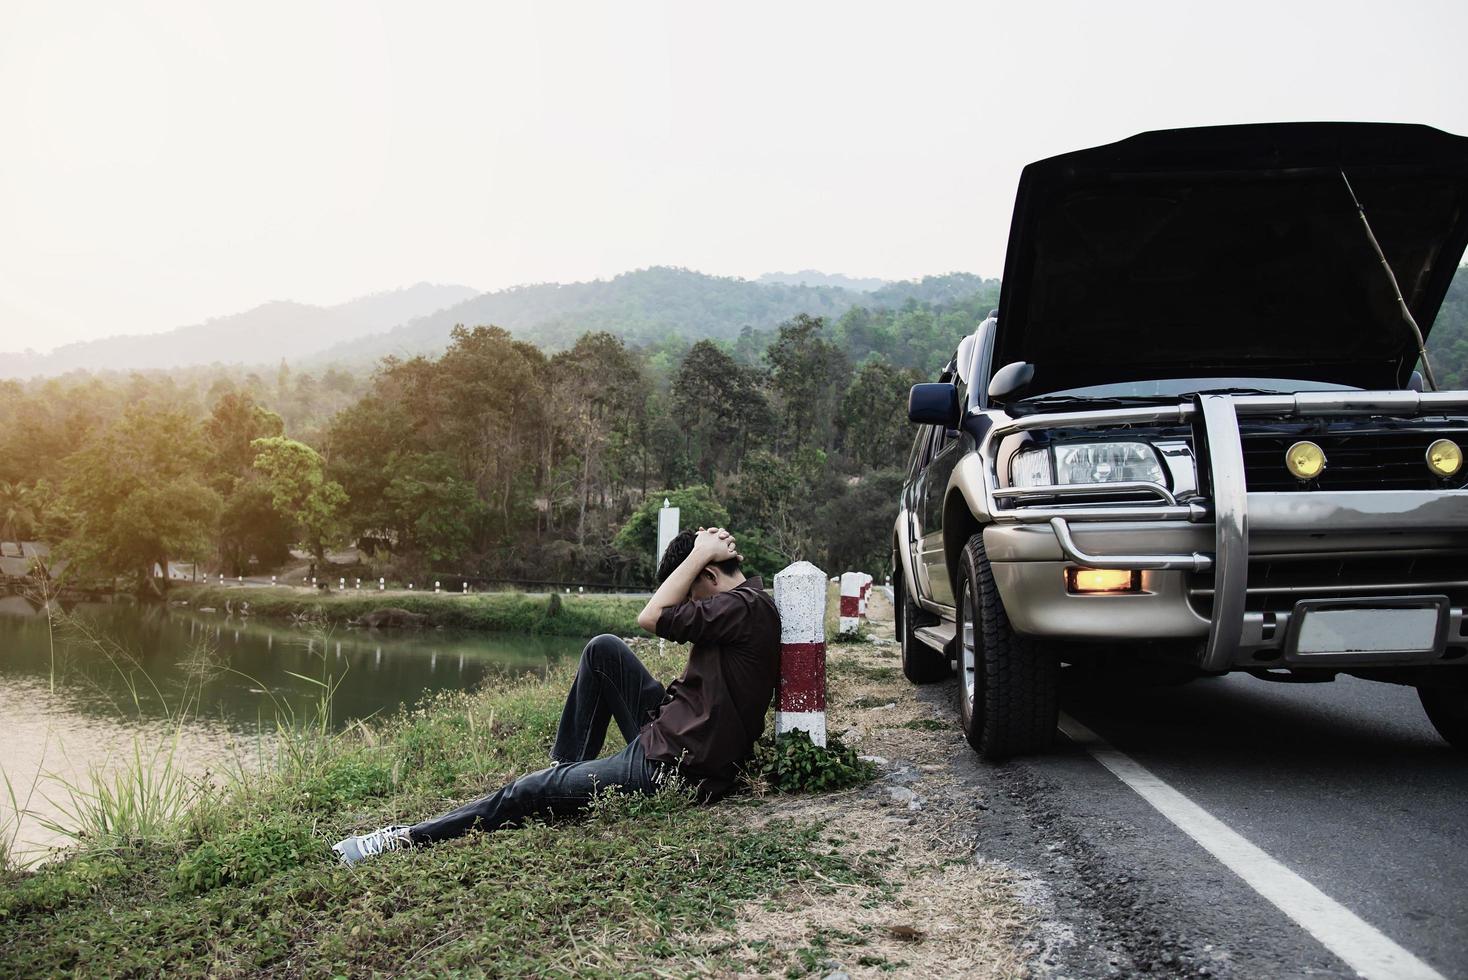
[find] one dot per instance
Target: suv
(1191, 440)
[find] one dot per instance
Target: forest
(496, 460)
(503, 460)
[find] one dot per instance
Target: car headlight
(1087, 462)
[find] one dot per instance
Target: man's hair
(680, 548)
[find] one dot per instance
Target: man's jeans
(610, 683)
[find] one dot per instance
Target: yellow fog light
(1304, 460)
(1444, 457)
(1092, 580)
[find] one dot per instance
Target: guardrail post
(850, 602)
(800, 595)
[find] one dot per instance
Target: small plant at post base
(792, 763)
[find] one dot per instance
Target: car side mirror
(1415, 382)
(1010, 380)
(935, 403)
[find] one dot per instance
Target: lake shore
(764, 883)
(510, 612)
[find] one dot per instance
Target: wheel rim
(967, 670)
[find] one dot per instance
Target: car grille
(1276, 584)
(1375, 458)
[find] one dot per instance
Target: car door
(944, 449)
(912, 510)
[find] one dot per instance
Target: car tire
(921, 664)
(1008, 683)
(1447, 708)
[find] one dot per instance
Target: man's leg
(555, 791)
(610, 683)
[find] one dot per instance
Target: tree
(250, 525)
(136, 496)
(854, 523)
(295, 476)
(601, 392)
(17, 516)
(875, 432)
(718, 405)
(234, 424)
(433, 510)
(808, 375)
(777, 496)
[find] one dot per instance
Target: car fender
(965, 511)
(901, 537)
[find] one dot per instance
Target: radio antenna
(1396, 290)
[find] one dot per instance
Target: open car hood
(1232, 251)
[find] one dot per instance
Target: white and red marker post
(850, 602)
(866, 589)
(800, 595)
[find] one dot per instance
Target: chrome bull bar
(1227, 508)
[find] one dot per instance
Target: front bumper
(1201, 559)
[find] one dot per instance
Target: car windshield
(1176, 387)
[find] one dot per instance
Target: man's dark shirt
(712, 715)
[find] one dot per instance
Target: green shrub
(345, 781)
(792, 763)
(248, 855)
(57, 885)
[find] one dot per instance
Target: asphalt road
(1345, 783)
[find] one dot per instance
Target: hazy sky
(161, 163)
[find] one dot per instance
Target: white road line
(1363, 947)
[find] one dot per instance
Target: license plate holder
(1344, 630)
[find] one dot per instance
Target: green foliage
(792, 763)
(498, 458)
(638, 537)
(246, 856)
(510, 612)
(873, 416)
(435, 510)
(134, 496)
(808, 375)
(296, 477)
(720, 407)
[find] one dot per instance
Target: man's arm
(710, 545)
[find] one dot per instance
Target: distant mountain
(812, 277)
(949, 288)
(641, 307)
(382, 311)
(263, 335)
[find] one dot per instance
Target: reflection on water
(75, 697)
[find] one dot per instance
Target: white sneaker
(354, 849)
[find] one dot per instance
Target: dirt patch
(929, 907)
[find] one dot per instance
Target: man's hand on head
(709, 545)
(717, 544)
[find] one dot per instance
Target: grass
(514, 612)
(239, 880)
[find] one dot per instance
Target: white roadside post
(800, 595)
(850, 602)
(866, 590)
(435, 586)
(667, 530)
(381, 584)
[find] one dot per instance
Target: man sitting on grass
(701, 727)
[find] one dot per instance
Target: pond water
(78, 696)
